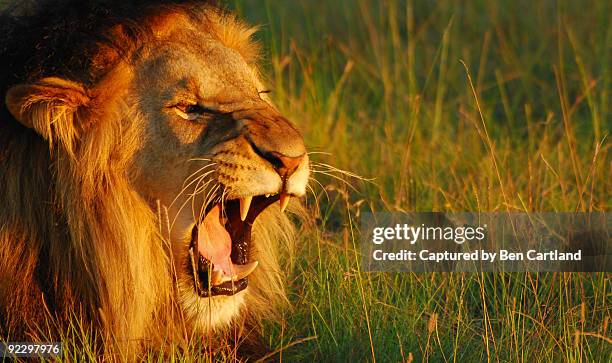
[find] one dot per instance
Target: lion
(144, 174)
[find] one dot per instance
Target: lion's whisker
(183, 205)
(222, 200)
(316, 199)
(204, 205)
(193, 199)
(178, 212)
(194, 174)
(337, 178)
(191, 195)
(322, 187)
(207, 200)
(330, 168)
(187, 186)
(319, 152)
(200, 189)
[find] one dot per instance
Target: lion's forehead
(207, 69)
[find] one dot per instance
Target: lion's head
(157, 173)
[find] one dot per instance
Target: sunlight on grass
(381, 87)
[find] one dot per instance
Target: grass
(384, 88)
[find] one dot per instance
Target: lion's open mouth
(220, 245)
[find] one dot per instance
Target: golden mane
(76, 240)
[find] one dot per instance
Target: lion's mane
(76, 240)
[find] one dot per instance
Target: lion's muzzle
(219, 249)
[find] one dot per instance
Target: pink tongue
(214, 242)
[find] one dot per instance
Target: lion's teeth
(284, 200)
(267, 195)
(245, 204)
(216, 277)
(242, 271)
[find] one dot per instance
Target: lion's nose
(283, 164)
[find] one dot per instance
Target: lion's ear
(47, 106)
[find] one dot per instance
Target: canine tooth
(242, 271)
(216, 277)
(245, 203)
(267, 195)
(284, 200)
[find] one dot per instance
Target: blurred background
(441, 106)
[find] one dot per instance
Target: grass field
(448, 106)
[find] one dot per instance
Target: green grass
(380, 85)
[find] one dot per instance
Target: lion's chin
(214, 313)
(219, 250)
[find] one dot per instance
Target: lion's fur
(75, 238)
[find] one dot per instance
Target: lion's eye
(192, 111)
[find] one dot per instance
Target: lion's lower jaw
(211, 314)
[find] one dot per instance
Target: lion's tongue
(215, 244)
